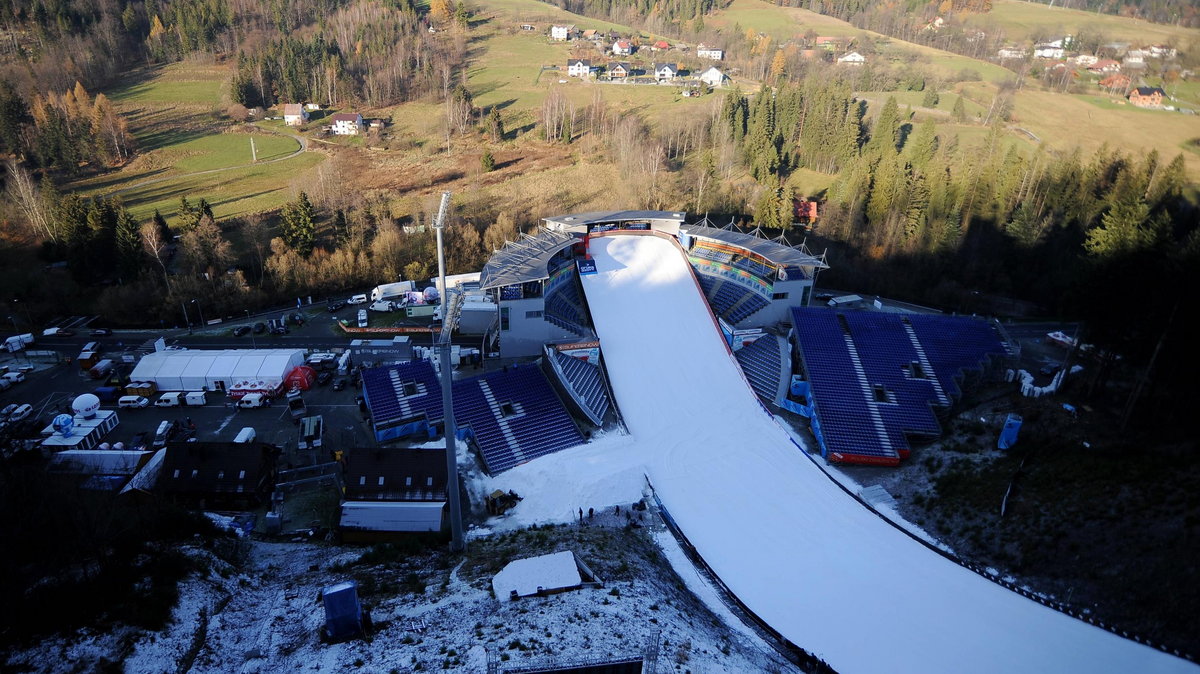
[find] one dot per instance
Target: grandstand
(876, 379)
(512, 415)
(583, 382)
(763, 364)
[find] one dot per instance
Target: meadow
(1021, 20)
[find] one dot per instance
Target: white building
(579, 67)
(561, 32)
(294, 114)
(713, 77)
(1086, 60)
(665, 72)
(231, 370)
(853, 59)
(1049, 51)
(347, 124)
(622, 47)
(1006, 53)
(713, 53)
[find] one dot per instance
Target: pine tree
(495, 125)
(960, 111)
(341, 228)
(931, 98)
(128, 247)
(299, 225)
(922, 144)
(885, 135)
(487, 162)
(778, 65)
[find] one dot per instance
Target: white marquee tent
(216, 370)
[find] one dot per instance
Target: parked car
(241, 330)
(101, 332)
(334, 306)
(133, 402)
(14, 377)
(324, 378)
(359, 299)
(339, 384)
(260, 328)
(20, 413)
(297, 318)
(280, 330)
(8, 410)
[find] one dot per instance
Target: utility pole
(253, 151)
(447, 379)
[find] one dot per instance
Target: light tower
(456, 532)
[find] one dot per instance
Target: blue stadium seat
(587, 381)
(762, 363)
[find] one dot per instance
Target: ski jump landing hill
(822, 570)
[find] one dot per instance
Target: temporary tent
(301, 377)
(216, 370)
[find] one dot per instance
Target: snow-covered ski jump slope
(818, 567)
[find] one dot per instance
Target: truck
(311, 429)
(87, 360)
(296, 405)
(101, 369)
(252, 400)
(394, 292)
(18, 342)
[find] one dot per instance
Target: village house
(1147, 97)
(312, 107)
(294, 114)
(579, 68)
(562, 33)
(1104, 67)
(1134, 58)
(619, 70)
(1007, 53)
(1159, 51)
(1116, 81)
(661, 45)
(713, 77)
(346, 124)
(829, 43)
(665, 72)
(1048, 51)
(1085, 60)
(853, 59)
(622, 47)
(711, 53)
(591, 34)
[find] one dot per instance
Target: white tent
(196, 369)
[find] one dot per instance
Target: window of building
(408, 482)
(429, 482)
(380, 480)
(195, 472)
(220, 475)
(241, 475)
(503, 318)
(533, 314)
(779, 296)
(176, 472)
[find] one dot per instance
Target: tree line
(62, 130)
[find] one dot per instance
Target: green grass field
(1019, 20)
(177, 83)
(231, 193)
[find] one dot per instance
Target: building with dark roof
(391, 492)
(1147, 97)
(225, 475)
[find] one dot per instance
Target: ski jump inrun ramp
(822, 570)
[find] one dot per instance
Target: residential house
(1116, 81)
(1085, 60)
(622, 47)
(579, 68)
(1104, 67)
(829, 43)
(312, 107)
(1134, 58)
(853, 59)
(661, 45)
(294, 114)
(1010, 53)
(711, 53)
(346, 124)
(665, 72)
(393, 491)
(590, 34)
(377, 124)
(1147, 97)
(804, 211)
(528, 26)
(619, 70)
(562, 33)
(221, 475)
(1048, 50)
(1160, 51)
(713, 77)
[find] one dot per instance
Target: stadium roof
(523, 260)
(600, 217)
(772, 250)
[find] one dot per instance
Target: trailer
(296, 405)
(392, 291)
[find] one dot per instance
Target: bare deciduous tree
(29, 198)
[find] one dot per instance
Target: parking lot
(50, 389)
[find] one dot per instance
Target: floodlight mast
(456, 531)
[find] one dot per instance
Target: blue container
(343, 613)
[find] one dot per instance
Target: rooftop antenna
(447, 379)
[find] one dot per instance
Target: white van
(245, 435)
(195, 399)
(94, 347)
(132, 401)
(172, 399)
(253, 400)
(358, 299)
(14, 377)
(362, 318)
